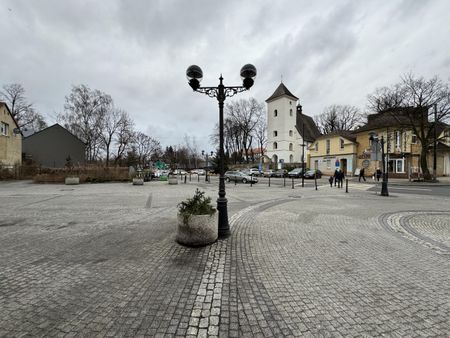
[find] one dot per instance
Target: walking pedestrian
(341, 176)
(331, 179)
(361, 175)
(378, 173)
(336, 174)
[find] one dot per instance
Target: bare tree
(124, 136)
(421, 94)
(111, 124)
(338, 118)
(261, 133)
(85, 112)
(145, 147)
(22, 111)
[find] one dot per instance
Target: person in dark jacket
(378, 174)
(336, 174)
(331, 179)
(341, 177)
(361, 174)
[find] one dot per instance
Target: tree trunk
(424, 164)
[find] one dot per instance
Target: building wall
(283, 123)
(10, 144)
(51, 147)
(337, 158)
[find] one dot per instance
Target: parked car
(280, 173)
(201, 171)
(180, 172)
(268, 173)
(254, 172)
(239, 177)
(297, 172)
(310, 173)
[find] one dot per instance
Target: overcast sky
(327, 52)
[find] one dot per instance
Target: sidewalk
(442, 181)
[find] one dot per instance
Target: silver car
(239, 177)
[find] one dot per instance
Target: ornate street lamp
(207, 164)
(384, 184)
(195, 74)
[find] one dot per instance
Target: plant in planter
(138, 179)
(71, 177)
(172, 177)
(197, 224)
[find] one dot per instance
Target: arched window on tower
(290, 112)
(275, 113)
(290, 133)
(291, 158)
(291, 147)
(275, 145)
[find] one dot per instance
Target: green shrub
(199, 204)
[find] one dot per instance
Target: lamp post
(300, 109)
(207, 163)
(195, 74)
(384, 184)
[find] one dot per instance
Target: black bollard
(284, 181)
(190, 177)
(185, 179)
(269, 181)
(292, 183)
(346, 185)
(251, 180)
(235, 182)
(198, 177)
(315, 180)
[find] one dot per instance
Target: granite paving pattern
(102, 261)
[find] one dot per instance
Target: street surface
(101, 260)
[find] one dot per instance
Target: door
(344, 165)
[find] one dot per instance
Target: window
(291, 158)
(328, 147)
(290, 133)
(275, 113)
(290, 146)
(275, 133)
(290, 112)
(316, 146)
(398, 139)
(341, 143)
(4, 128)
(413, 139)
(396, 165)
(328, 164)
(275, 145)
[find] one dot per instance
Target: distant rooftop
(281, 91)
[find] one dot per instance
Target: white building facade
(285, 125)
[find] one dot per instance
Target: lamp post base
(224, 227)
(384, 189)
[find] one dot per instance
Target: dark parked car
(239, 177)
(310, 173)
(280, 173)
(297, 172)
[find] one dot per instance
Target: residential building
(288, 129)
(402, 147)
(10, 139)
(336, 150)
(52, 146)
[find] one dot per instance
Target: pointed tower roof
(281, 91)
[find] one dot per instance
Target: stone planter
(197, 230)
(72, 181)
(138, 181)
(173, 180)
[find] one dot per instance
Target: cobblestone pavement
(101, 260)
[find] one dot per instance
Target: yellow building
(402, 147)
(333, 151)
(10, 139)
